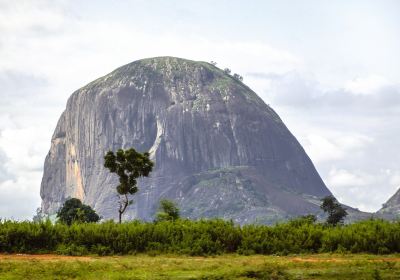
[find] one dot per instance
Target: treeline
(205, 237)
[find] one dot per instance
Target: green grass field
(322, 266)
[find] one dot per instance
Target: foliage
(39, 216)
(168, 211)
(128, 165)
(336, 213)
(237, 77)
(227, 71)
(73, 210)
(203, 237)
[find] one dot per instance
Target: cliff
(219, 150)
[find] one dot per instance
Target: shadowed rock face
(219, 150)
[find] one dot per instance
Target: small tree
(168, 211)
(39, 216)
(336, 213)
(227, 71)
(73, 210)
(237, 77)
(128, 165)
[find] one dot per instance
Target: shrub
(74, 210)
(203, 237)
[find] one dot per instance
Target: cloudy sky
(331, 69)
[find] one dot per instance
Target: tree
(128, 165)
(227, 71)
(168, 211)
(336, 213)
(237, 77)
(73, 210)
(39, 216)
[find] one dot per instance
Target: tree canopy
(73, 210)
(237, 77)
(336, 213)
(168, 211)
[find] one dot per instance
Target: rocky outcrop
(219, 150)
(391, 209)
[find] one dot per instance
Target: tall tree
(73, 210)
(336, 213)
(128, 165)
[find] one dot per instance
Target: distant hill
(219, 150)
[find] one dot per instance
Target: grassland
(230, 266)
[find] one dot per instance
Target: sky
(330, 69)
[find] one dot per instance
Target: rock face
(391, 209)
(219, 150)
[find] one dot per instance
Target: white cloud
(395, 180)
(4, 172)
(23, 153)
(321, 149)
(366, 85)
(25, 149)
(345, 178)
(337, 146)
(361, 189)
(19, 199)
(301, 90)
(22, 15)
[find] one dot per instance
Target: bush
(203, 237)
(168, 211)
(74, 211)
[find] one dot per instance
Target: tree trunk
(123, 208)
